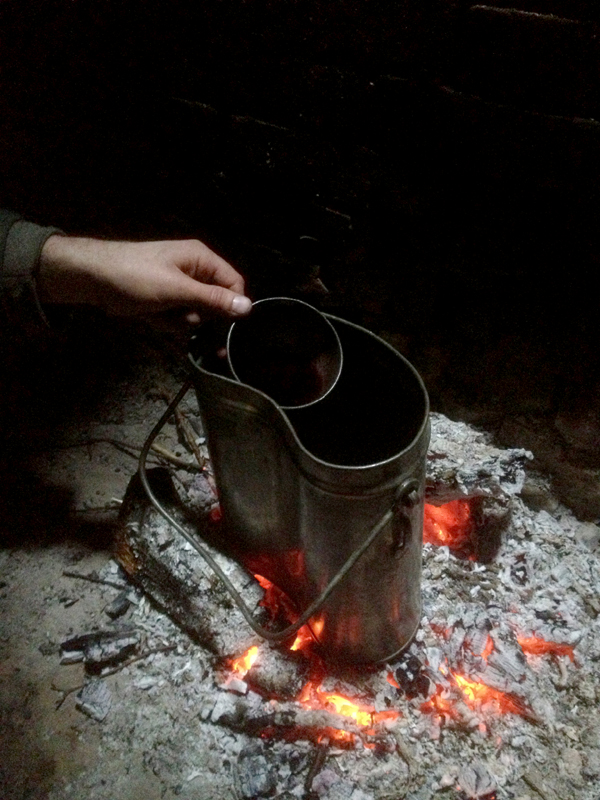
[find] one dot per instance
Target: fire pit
(496, 697)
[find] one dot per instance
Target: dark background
(444, 155)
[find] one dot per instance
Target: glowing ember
(440, 703)
(488, 649)
(478, 693)
(475, 694)
(450, 524)
(337, 736)
(535, 645)
(276, 601)
(215, 515)
(392, 681)
(307, 634)
(312, 696)
(242, 664)
(303, 639)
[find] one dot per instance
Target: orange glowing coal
(337, 736)
(475, 694)
(304, 639)
(278, 604)
(307, 634)
(440, 703)
(276, 601)
(488, 649)
(450, 524)
(392, 681)
(535, 645)
(478, 693)
(243, 663)
(312, 696)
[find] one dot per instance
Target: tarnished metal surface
(301, 489)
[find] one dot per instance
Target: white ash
(461, 462)
(95, 700)
(193, 731)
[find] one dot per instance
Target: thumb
(217, 299)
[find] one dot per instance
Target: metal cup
(286, 349)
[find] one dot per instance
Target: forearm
(21, 243)
(140, 278)
(66, 271)
(183, 279)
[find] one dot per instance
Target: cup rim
(295, 301)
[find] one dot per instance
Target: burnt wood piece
(101, 648)
(277, 674)
(166, 567)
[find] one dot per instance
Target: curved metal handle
(402, 494)
(407, 496)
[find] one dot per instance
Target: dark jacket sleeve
(21, 243)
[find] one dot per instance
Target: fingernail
(240, 305)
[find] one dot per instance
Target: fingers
(211, 268)
(210, 298)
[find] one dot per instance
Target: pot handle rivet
(408, 493)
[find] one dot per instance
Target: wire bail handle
(407, 494)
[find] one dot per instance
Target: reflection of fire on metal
(450, 524)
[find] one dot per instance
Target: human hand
(181, 278)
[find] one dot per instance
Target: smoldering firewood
(279, 720)
(101, 648)
(405, 752)
(168, 569)
(504, 667)
(509, 662)
(277, 674)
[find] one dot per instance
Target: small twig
(106, 507)
(237, 784)
(165, 649)
(405, 753)
(132, 450)
(563, 681)
(320, 756)
(185, 427)
(169, 456)
(93, 579)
